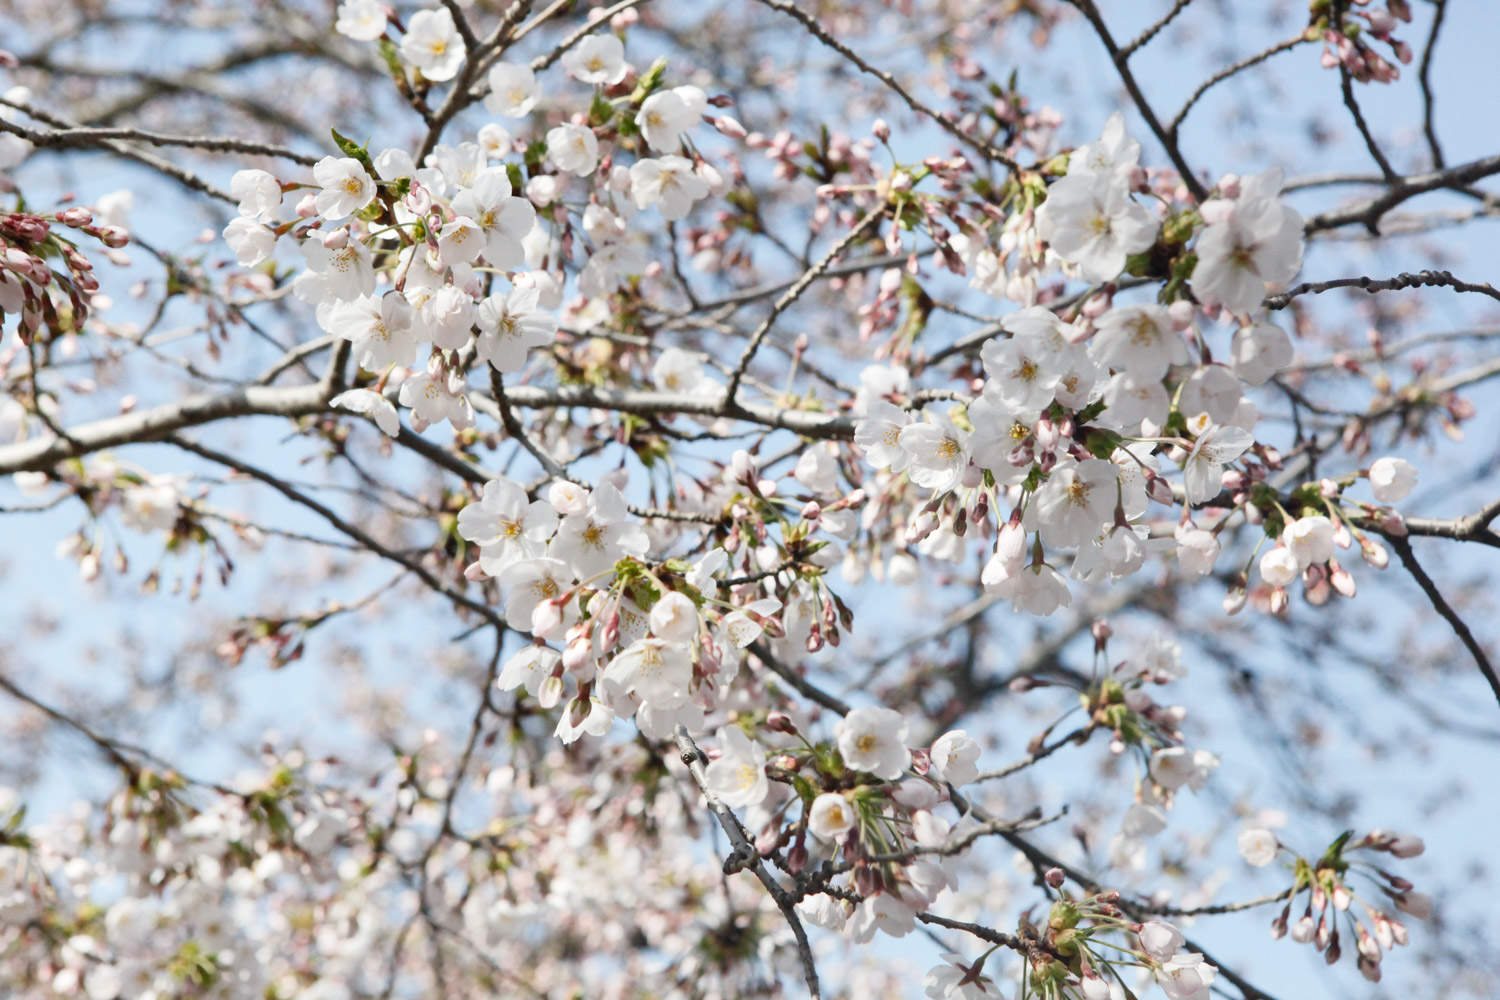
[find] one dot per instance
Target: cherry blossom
(738, 777)
(433, 45)
(873, 739)
(346, 187)
(513, 89)
(598, 59)
(1392, 479)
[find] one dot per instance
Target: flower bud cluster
(1333, 906)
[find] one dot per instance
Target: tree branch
(1442, 607)
(746, 856)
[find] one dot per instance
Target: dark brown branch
(746, 856)
(1228, 72)
(1429, 127)
(1420, 279)
(88, 138)
(791, 295)
(341, 525)
(1442, 607)
(985, 149)
(1368, 213)
(1346, 84)
(1122, 66)
(1152, 30)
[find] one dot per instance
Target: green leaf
(1090, 412)
(353, 150)
(1333, 857)
(1101, 443)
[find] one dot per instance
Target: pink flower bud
(1374, 553)
(546, 617)
(1407, 846)
(1055, 877)
(75, 217)
(729, 126)
(114, 237)
(780, 722)
(1234, 599)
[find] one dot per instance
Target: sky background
(1433, 780)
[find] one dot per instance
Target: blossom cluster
(1060, 449)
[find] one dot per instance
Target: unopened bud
(729, 126)
(780, 722)
(1234, 598)
(1055, 877)
(1340, 578)
(76, 217)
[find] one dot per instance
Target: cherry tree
(846, 498)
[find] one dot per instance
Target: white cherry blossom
(1203, 468)
(937, 450)
(361, 20)
(510, 326)
(1090, 220)
(1259, 351)
(1138, 339)
(503, 218)
(1392, 479)
(831, 816)
(370, 404)
(598, 59)
(667, 114)
(433, 45)
(878, 435)
(874, 739)
(258, 193)
(251, 242)
(346, 188)
(1250, 245)
(573, 148)
(669, 183)
(955, 754)
(738, 777)
(513, 90)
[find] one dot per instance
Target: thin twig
(1346, 84)
(1151, 31)
(1429, 127)
(1168, 141)
(985, 149)
(746, 856)
(1442, 607)
(791, 295)
(1420, 279)
(1226, 73)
